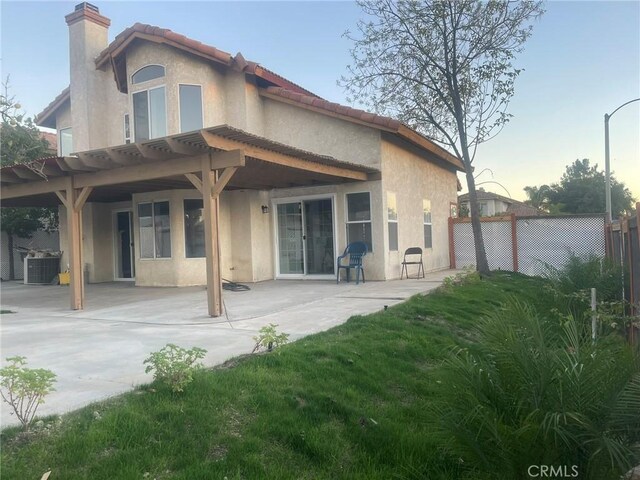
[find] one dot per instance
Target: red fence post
(514, 242)
(452, 253)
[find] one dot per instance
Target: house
(491, 204)
(153, 119)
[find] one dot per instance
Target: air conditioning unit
(40, 270)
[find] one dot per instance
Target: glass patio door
(305, 237)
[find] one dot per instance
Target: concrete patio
(98, 352)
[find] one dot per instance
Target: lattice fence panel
(40, 239)
(497, 242)
(551, 240)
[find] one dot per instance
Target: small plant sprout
(268, 338)
(24, 388)
(174, 365)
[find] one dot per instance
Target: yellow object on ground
(64, 277)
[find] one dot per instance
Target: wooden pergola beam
(269, 156)
(193, 178)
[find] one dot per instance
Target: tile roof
(360, 116)
(44, 117)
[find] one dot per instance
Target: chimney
(88, 36)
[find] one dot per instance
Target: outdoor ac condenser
(40, 271)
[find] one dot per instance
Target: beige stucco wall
(413, 179)
(321, 133)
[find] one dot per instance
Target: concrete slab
(98, 352)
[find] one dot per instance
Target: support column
(211, 186)
(74, 199)
(212, 239)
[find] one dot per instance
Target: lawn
(352, 402)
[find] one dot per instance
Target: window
(359, 218)
(190, 107)
(392, 221)
(426, 214)
(155, 230)
(194, 228)
(150, 114)
(127, 129)
(66, 142)
(482, 208)
(150, 72)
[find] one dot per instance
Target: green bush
(268, 338)
(580, 274)
(174, 365)
(538, 391)
(24, 388)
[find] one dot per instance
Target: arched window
(147, 73)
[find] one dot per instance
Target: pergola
(211, 160)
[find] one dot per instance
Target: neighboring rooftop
(514, 206)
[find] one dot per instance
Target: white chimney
(88, 36)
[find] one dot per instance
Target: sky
(582, 61)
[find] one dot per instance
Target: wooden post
(514, 242)
(452, 251)
(211, 239)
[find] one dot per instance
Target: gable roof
(46, 117)
(362, 117)
(114, 54)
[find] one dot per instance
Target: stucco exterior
(248, 229)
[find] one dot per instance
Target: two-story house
(153, 121)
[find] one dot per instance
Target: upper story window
(190, 107)
(150, 72)
(150, 114)
(65, 141)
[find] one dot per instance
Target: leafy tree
(445, 69)
(582, 190)
(538, 197)
(20, 142)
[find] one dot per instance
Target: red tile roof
(360, 116)
(44, 118)
(52, 140)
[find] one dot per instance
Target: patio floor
(98, 352)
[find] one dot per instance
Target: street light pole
(607, 165)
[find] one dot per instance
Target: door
(305, 237)
(124, 246)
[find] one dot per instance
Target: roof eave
(47, 118)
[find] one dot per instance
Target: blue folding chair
(356, 252)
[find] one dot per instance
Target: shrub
(268, 338)
(580, 274)
(24, 388)
(538, 391)
(174, 365)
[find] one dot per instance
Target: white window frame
(60, 140)
(391, 220)
(166, 116)
(152, 79)
(346, 216)
(127, 139)
(201, 103)
(153, 223)
(425, 223)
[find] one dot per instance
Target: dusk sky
(582, 61)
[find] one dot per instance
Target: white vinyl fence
(528, 244)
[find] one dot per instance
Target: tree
(20, 142)
(538, 197)
(445, 69)
(582, 190)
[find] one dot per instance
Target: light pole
(607, 167)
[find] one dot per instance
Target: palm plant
(538, 391)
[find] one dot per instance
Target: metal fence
(623, 246)
(528, 244)
(40, 240)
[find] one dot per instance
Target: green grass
(352, 402)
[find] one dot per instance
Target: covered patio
(98, 352)
(209, 160)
